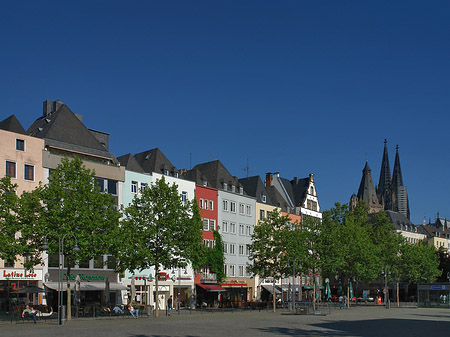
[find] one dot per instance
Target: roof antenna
(247, 168)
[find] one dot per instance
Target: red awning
(211, 287)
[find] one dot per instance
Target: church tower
(384, 189)
(400, 201)
(367, 192)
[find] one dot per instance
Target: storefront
(238, 293)
(14, 283)
(435, 295)
(209, 295)
(96, 288)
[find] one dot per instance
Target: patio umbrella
(30, 289)
(327, 289)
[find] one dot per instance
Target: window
(261, 214)
(206, 242)
(29, 172)
(224, 226)
(247, 250)
(232, 248)
(225, 205)
(247, 230)
(11, 169)
(9, 263)
(241, 208)
(225, 248)
(241, 229)
(175, 174)
(212, 225)
(225, 269)
(211, 205)
(200, 203)
(183, 197)
(205, 204)
(20, 145)
(205, 224)
(247, 271)
(233, 188)
(83, 263)
(143, 187)
(232, 270)
(224, 186)
(101, 184)
(241, 190)
(166, 172)
(232, 228)
(248, 210)
(241, 270)
(98, 262)
(241, 249)
(264, 199)
(212, 243)
(111, 262)
(112, 187)
(233, 207)
(134, 187)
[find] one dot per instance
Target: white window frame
(206, 224)
(247, 250)
(211, 205)
(200, 201)
(224, 226)
(241, 209)
(206, 242)
(232, 227)
(232, 270)
(225, 248)
(183, 197)
(134, 186)
(225, 205)
(233, 206)
(241, 250)
(241, 229)
(212, 225)
(241, 270)
(247, 230)
(248, 210)
(25, 171)
(232, 250)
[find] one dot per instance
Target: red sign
(163, 276)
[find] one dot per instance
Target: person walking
(169, 305)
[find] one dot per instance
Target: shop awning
(211, 287)
(87, 286)
(270, 289)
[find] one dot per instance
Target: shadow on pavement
(366, 328)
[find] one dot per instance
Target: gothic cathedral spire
(400, 201)
(384, 188)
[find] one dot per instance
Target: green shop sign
(84, 277)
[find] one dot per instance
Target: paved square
(366, 321)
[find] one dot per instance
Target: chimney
(50, 107)
(269, 178)
(311, 176)
(295, 180)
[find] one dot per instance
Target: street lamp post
(293, 284)
(386, 290)
(60, 265)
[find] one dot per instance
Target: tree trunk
(156, 292)
(398, 295)
(274, 297)
(69, 300)
(314, 293)
(348, 294)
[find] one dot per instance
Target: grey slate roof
(155, 161)
(300, 189)
(196, 176)
(63, 129)
(130, 163)
(254, 187)
(277, 199)
(217, 174)
(400, 221)
(12, 124)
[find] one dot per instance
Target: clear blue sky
(290, 86)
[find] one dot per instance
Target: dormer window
(204, 182)
(175, 174)
(233, 188)
(224, 186)
(264, 199)
(166, 172)
(241, 190)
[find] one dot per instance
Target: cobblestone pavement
(352, 322)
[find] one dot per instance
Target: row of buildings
(231, 205)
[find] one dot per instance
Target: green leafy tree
(215, 258)
(419, 263)
(10, 227)
(268, 249)
(73, 207)
(160, 230)
(345, 244)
